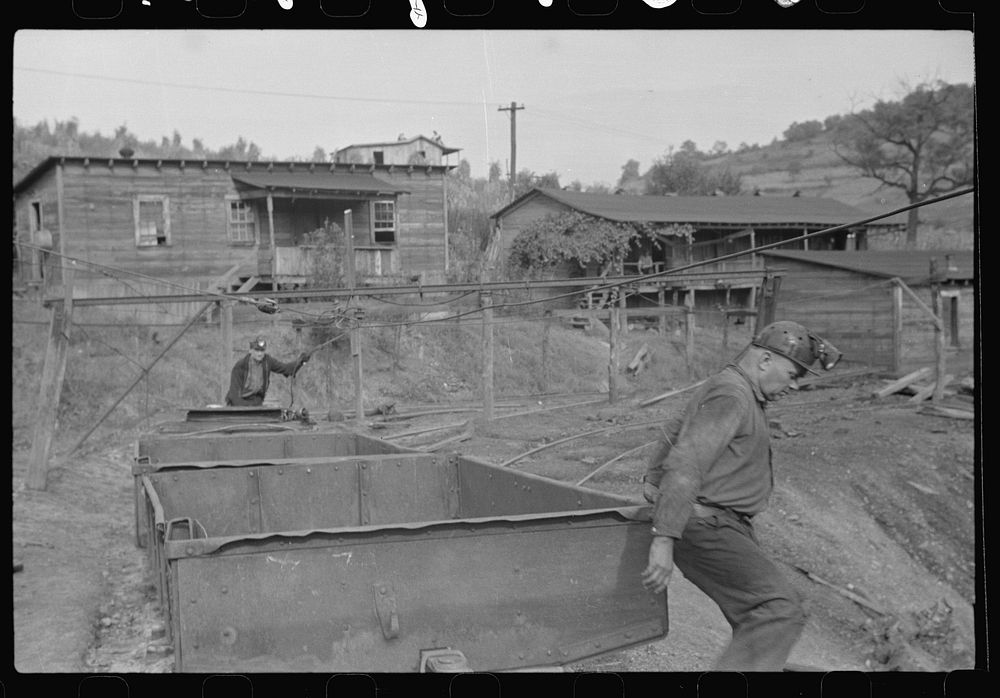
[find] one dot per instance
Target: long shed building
(860, 302)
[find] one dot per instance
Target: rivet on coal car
(309, 470)
(597, 645)
(280, 471)
(628, 636)
(189, 550)
(228, 636)
(225, 590)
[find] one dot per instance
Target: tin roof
(444, 149)
(352, 183)
(236, 167)
(912, 266)
(703, 210)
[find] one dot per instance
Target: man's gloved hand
(303, 357)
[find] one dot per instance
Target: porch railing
(298, 261)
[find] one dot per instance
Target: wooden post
(897, 328)
(50, 389)
(689, 323)
(145, 371)
(546, 331)
(274, 252)
(226, 354)
(359, 403)
(660, 302)
(939, 349)
(725, 337)
(623, 316)
(486, 303)
(614, 361)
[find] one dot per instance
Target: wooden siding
(853, 311)
(100, 228)
(856, 312)
(421, 235)
(37, 266)
(399, 153)
(918, 342)
(99, 220)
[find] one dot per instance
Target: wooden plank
(902, 382)
(927, 391)
(50, 388)
(942, 411)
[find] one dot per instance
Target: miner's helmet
(799, 345)
(258, 343)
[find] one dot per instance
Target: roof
(703, 210)
(912, 266)
(236, 167)
(354, 182)
(444, 149)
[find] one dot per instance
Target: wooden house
(221, 224)
(853, 299)
(688, 229)
(419, 150)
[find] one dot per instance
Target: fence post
(359, 402)
(50, 388)
(660, 302)
(486, 303)
(226, 352)
(614, 361)
(689, 322)
(939, 349)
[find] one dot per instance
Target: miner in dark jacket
(249, 379)
(711, 474)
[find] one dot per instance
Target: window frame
(376, 228)
(164, 202)
(231, 223)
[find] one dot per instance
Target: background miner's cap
(258, 343)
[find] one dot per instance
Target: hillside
(872, 497)
(812, 168)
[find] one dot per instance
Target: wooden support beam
(226, 351)
(359, 406)
(939, 348)
(274, 252)
(936, 389)
(902, 382)
(50, 388)
(660, 302)
(920, 304)
(689, 322)
(486, 303)
(613, 342)
(142, 375)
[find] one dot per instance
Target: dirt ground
(872, 498)
(872, 516)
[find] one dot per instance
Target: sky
(592, 99)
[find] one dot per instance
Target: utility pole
(513, 109)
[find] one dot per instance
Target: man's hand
(303, 357)
(661, 564)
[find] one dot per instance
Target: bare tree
(922, 144)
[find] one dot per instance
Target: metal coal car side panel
(507, 593)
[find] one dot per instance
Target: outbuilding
(873, 304)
